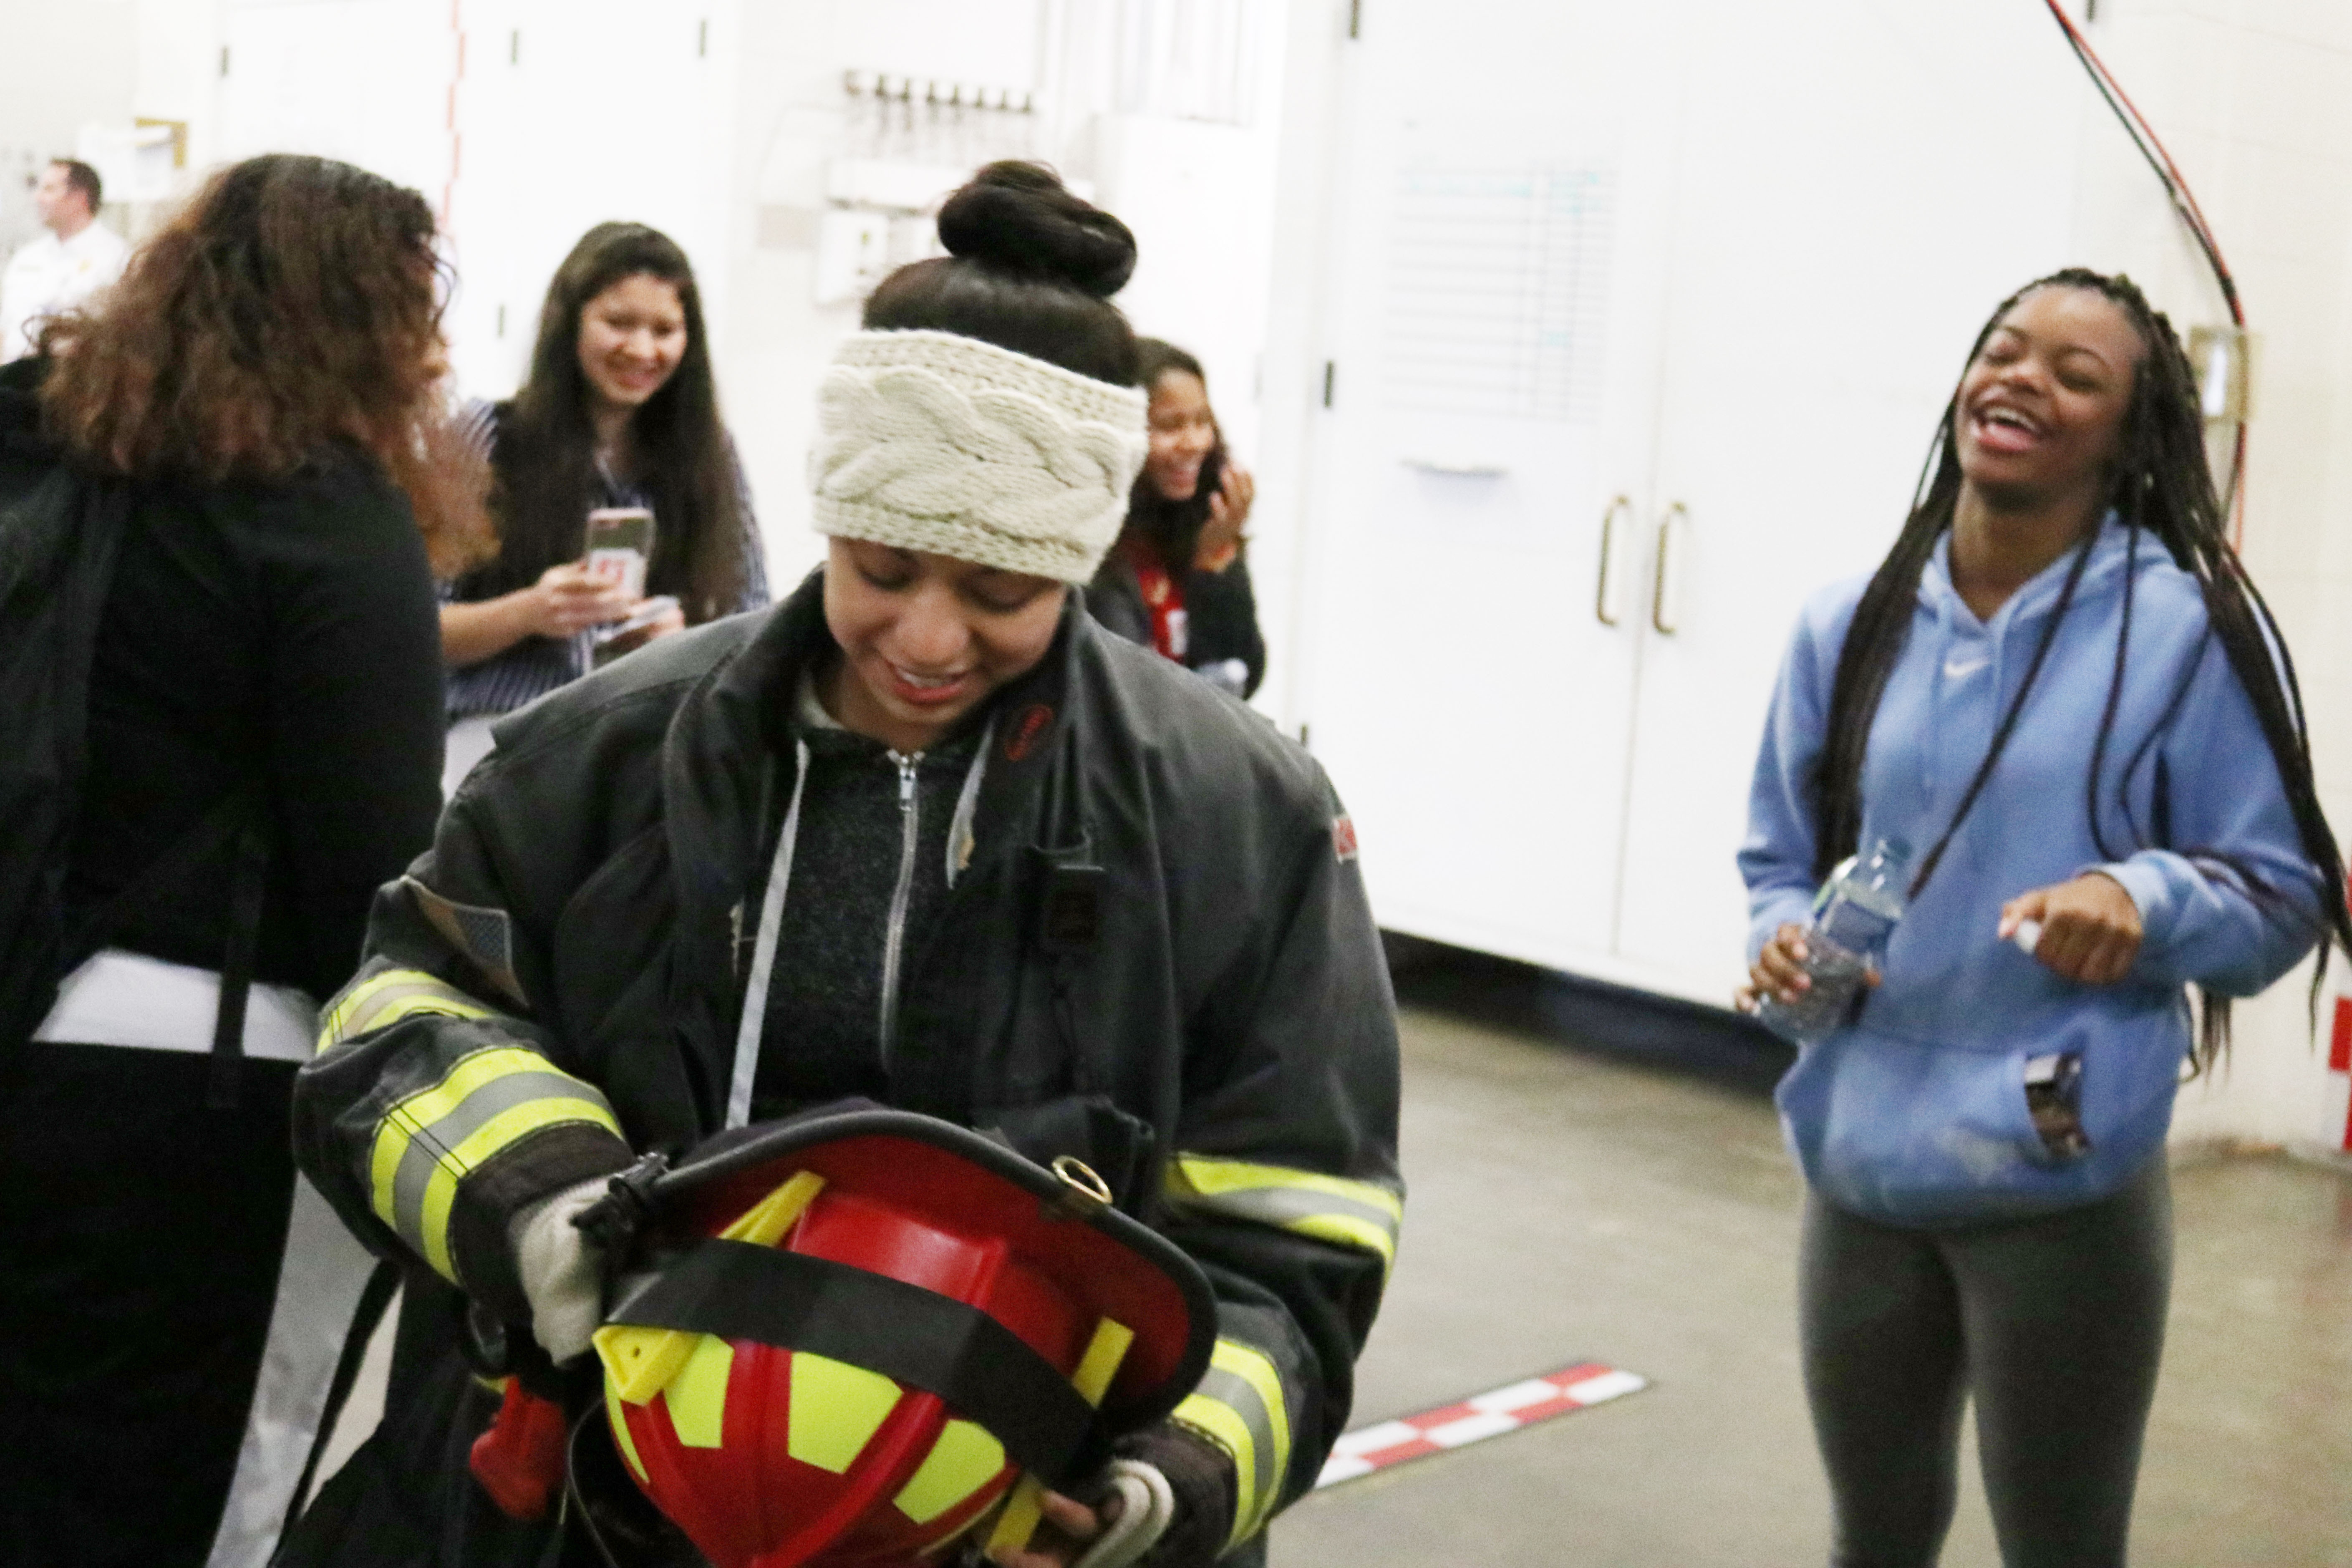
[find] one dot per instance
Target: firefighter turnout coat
(1159, 932)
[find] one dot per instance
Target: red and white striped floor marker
(1474, 1420)
(2339, 1060)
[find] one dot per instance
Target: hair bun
(1020, 217)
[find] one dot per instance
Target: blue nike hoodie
(1916, 1115)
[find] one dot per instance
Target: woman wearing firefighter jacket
(924, 833)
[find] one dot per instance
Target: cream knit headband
(934, 441)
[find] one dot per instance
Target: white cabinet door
(572, 113)
(1860, 184)
(1496, 256)
(282, 90)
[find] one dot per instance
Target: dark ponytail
(2164, 484)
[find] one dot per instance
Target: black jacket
(280, 640)
(1163, 910)
(1220, 613)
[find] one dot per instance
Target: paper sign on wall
(1499, 281)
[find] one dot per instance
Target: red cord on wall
(2192, 217)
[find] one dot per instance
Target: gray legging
(2054, 1325)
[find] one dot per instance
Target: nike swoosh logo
(1961, 668)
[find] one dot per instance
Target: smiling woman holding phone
(614, 441)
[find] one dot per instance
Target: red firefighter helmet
(857, 1333)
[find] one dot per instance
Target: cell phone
(604, 637)
(646, 615)
(2054, 1098)
(620, 545)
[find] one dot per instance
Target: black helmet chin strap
(913, 1336)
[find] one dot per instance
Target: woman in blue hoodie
(2062, 690)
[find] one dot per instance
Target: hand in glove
(563, 1276)
(1168, 1502)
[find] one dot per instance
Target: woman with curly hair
(264, 386)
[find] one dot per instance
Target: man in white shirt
(78, 255)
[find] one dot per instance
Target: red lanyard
(1163, 600)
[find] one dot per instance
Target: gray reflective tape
(360, 1022)
(1238, 1395)
(1282, 1206)
(319, 1285)
(428, 1143)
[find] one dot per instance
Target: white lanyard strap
(763, 952)
(960, 832)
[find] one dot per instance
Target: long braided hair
(2161, 482)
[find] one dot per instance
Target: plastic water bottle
(1854, 913)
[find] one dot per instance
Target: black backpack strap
(167, 870)
(237, 820)
(248, 884)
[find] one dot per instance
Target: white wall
(1200, 194)
(569, 113)
(176, 45)
(67, 62)
(525, 121)
(2254, 99)
(1289, 374)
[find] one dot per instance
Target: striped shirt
(537, 666)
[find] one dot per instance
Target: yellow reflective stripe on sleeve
(400, 1007)
(385, 999)
(1211, 1176)
(1348, 1230)
(453, 1165)
(1257, 1371)
(1221, 1425)
(429, 1142)
(1239, 1406)
(1329, 1208)
(338, 1017)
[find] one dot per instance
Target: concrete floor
(1566, 1207)
(1569, 1206)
